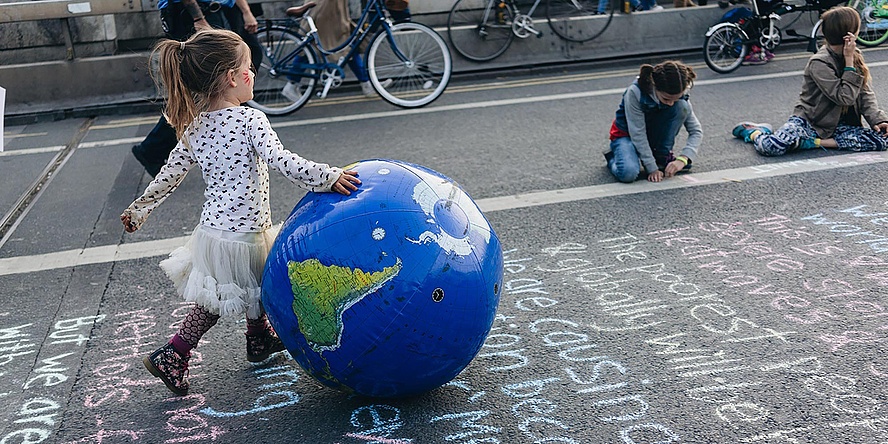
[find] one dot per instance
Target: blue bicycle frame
(293, 67)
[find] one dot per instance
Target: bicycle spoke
(414, 74)
(577, 20)
(480, 30)
(873, 21)
(723, 50)
(281, 87)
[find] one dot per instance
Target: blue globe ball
(388, 292)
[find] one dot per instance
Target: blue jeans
(662, 126)
(642, 5)
(602, 6)
(356, 64)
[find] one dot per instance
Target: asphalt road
(742, 303)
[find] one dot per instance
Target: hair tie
(181, 46)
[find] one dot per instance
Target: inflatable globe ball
(388, 292)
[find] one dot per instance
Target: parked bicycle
(482, 30)
(408, 63)
(874, 21)
(727, 43)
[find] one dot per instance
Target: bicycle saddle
(299, 11)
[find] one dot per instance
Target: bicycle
(727, 43)
(482, 30)
(408, 63)
(874, 21)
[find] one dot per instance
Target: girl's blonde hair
(670, 77)
(837, 23)
(194, 72)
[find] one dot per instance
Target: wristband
(198, 19)
(682, 159)
(850, 68)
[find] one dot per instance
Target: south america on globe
(322, 293)
(390, 291)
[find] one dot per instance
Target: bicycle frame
(727, 43)
(371, 19)
(877, 9)
(520, 25)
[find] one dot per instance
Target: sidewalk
(90, 85)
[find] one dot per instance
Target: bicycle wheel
(725, 48)
(816, 36)
(410, 69)
(480, 30)
(577, 20)
(873, 25)
(281, 87)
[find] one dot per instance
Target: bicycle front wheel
(724, 48)
(284, 81)
(578, 20)
(409, 64)
(873, 24)
(480, 30)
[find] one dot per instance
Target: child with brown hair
(653, 110)
(836, 93)
(220, 268)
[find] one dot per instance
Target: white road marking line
(138, 250)
(454, 107)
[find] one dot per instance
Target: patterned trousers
(796, 129)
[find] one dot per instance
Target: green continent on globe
(322, 293)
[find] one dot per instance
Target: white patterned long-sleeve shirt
(234, 148)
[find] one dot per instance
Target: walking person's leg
(153, 151)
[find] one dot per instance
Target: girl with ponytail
(219, 269)
(836, 94)
(653, 110)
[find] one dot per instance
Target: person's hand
(849, 48)
(656, 176)
(128, 224)
(348, 181)
(881, 128)
(674, 167)
(251, 25)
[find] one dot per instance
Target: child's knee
(626, 174)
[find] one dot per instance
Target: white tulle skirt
(221, 270)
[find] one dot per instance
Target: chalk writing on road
(759, 328)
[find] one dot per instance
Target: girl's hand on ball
(348, 181)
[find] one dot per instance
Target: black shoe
(151, 167)
(170, 367)
(401, 16)
(608, 156)
(261, 346)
